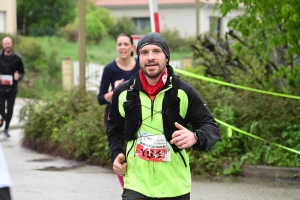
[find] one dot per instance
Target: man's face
(153, 61)
(7, 45)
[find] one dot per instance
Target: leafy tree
(261, 48)
(42, 17)
(270, 29)
(99, 22)
(279, 20)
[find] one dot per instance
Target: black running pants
(5, 193)
(7, 99)
(132, 195)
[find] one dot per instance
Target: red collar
(152, 90)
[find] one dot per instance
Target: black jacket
(9, 65)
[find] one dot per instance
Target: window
(215, 24)
(142, 23)
(2, 22)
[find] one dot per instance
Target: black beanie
(153, 38)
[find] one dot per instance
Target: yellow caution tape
(230, 127)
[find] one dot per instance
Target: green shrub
(70, 124)
(175, 41)
(54, 64)
(95, 29)
(33, 55)
(70, 32)
(278, 156)
(42, 69)
(261, 115)
(99, 21)
(123, 25)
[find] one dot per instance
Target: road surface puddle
(57, 169)
(41, 160)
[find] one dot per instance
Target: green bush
(175, 41)
(95, 29)
(70, 32)
(54, 64)
(33, 55)
(99, 22)
(123, 25)
(42, 70)
(269, 155)
(70, 124)
(35, 58)
(262, 115)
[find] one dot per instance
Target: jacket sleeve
(115, 124)
(104, 86)
(202, 121)
(20, 68)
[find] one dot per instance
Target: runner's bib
(153, 147)
(6, 79)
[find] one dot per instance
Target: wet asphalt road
(42, 177)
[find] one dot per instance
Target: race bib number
(6, 79)
(153, 147)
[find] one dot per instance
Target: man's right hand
(120, 165)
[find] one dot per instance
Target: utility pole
(197, 18)
(82, 45)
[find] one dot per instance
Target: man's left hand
(16, 75)
(183, 138)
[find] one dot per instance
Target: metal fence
(93, 74)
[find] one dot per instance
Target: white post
(154, 17)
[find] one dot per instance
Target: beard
(153, 74)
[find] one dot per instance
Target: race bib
(153, 147)
(6, 79)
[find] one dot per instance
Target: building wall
(182, 18)
(8, 16)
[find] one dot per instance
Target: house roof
(146, 2)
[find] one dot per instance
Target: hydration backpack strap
(171, 111)
(133, 113)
